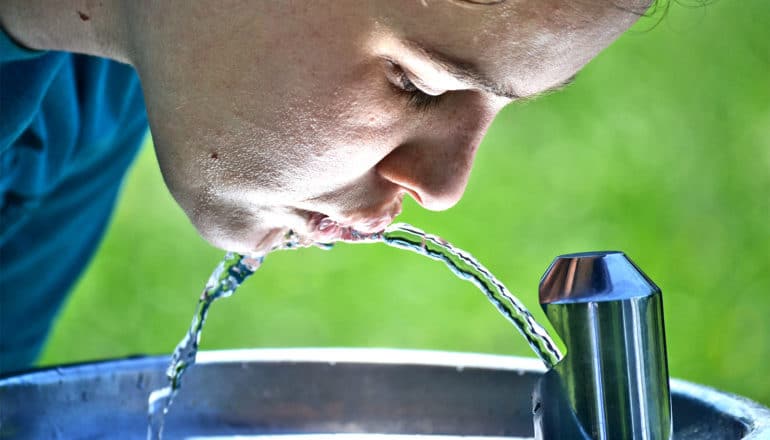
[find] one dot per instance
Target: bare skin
(274, 115)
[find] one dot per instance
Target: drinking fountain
(612, 384)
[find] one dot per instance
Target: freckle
(83, 16)
(215, 155)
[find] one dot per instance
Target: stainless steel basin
(312, 393)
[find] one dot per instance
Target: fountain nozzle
(613, 382)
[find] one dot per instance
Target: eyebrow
(468, 72)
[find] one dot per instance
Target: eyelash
(416, 98)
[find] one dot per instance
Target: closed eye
(416, 98)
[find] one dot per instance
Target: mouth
(313, 228)
(322, 229)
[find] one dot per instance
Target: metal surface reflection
(613, 382)
(325, 393)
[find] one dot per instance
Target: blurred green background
(661, 149)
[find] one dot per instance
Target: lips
(323, 229)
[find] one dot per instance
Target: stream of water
(227, 276)
(234, 269)
(467, 267)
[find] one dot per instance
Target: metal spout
(613, 381)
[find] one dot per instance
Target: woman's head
(267, 116)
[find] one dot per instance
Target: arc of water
(235, 269)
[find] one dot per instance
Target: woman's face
(273, 116)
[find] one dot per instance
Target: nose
(434, 164)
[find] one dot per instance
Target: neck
(83, 26)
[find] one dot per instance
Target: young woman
(266, 116)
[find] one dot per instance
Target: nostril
(415, 195)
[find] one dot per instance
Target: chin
(234, 230)
(242, 241)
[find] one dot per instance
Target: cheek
(307, 153)
(292, 141)
(350, 129)
(367, 125)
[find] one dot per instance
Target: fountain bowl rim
(755, 416)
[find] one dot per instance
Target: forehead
(529, 45)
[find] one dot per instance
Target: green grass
(660, 149)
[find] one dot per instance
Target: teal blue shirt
(70, 126)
